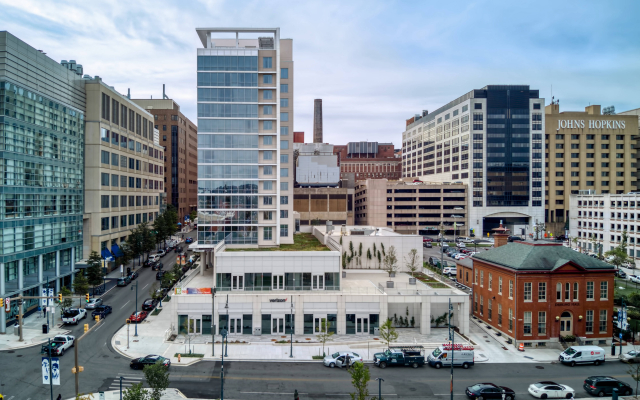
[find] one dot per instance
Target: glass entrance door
(237, 282)
(277, 326)
(235, 326)
(318, 282)
(319, 324)
(277, 282)
(195, 324)
(362, 325)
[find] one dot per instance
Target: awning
(116, 250)
(105, 253)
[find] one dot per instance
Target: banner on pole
(51, 297)
(43, 302)
(55, 370)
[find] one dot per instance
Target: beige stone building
(124, 169)
(586, 150)
(317, 206)
(412, 207)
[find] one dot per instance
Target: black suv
(512, 238)
(604, 385)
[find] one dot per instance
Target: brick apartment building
(533, 293)
(368, 160)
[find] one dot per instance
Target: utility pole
(50, 368)
(77, 369)
(136, 334)
(224, 335)
(227, 334)
(213, 325)
(291, 322)
(452, 338)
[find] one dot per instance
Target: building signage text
(567, 304)
(593, 124)
(278, 300)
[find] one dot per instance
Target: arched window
(559, 291)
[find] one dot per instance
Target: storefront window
(351, 324)
(223, 281)
(183, 327)
(206, 324)
(223, 323)
(247, 324)
(289, 323)
(374, 322)
(308, 324)
(266, 324)
(332, 323)
(306, 281)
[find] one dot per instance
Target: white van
(154, 257)
(582, 354)
(461, 355)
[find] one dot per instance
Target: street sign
(43, 302)
(55, 370)
(101, 395)
(50, 296)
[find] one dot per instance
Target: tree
(154, 292)
(351, 250)
(594, 242)
(135, 392)
(193, 215)
(360, 377)
(575, 241)
(66, 303)
(619, 253)
(379, 259)
(135, 243)
(80, 284)
(157, 376)
(94, 272)
(391, 261)
(388, 332)
(369, 257)
(412, 261)
(324, 335)
(148, 238)
(344, 260)
(382, 247)
(360, 254)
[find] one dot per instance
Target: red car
(138, 316)
(426, 239)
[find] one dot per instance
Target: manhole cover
(19, 355)
(485, 336)
(11, 351)
(488, 341)
(539, 367)
(105, 356)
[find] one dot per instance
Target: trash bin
(257, 331)
(376, 331)
(45, 328)
(16, 330)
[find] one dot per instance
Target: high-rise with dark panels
(491, 139)
(317, 121)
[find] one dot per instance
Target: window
(575, 291)
(284, 213)
(284, 199)
(481, 305)
(267, 215)
(526, 326)
(603, 321)
(604, 293)
(267, 185)
(267, 140)
(284, 172)
(542, 291)
(104, 135)
(589, 322)
(475, 277)
(105, 106)
(104, 222)
(104, 157)
(590, 291)
(284, 144)
(115, 179)
(284, 116)
(267, 94)
(267, 155)
(481, 278)
(267, 201)
(267, 62)
(284, 230)
(284, 131)
(267, 125)
(268, 110)
(284, 186)
(104, 201)
(267, 79)
(490, 280)
(567, 289)
(499, 314)
(267, 170)
(284, 103)
(284, 158)
(267, 233)
(559, 291)
(542, 323)
(284, 88)
(510, 319)
(104, 179)
(284, 73)
(510, 289)
(489, 309)
(500, 285)
(527, 291)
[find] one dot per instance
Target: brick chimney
(500, 236)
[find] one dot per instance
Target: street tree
(80, 284)
(157, 376)
(391, 261)
(412, 261)
(388, 333)
(135, 392)
(94, 271)
(324, 335)
(148, 238)
(575, 241)
(369, 257)
(193, 215)
(360, 255)
(619, 253)
(379, 259)
(66, 303)
(155, 292)
(360, 377)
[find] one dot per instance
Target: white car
(460, 256)
(634, 278)
(74, 315)
(93, 303)
(550, 390)
(338, 359)
(449, 271)
(461, 245)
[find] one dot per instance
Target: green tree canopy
(157, 376)
(94, 271)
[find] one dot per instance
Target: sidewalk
(169, 394)
(32, 331)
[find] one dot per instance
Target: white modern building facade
(245, 131)
(599, 220)
(491, 139)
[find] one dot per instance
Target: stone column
(3, 315)
(257, 312)
(342, 315)
(299, 314)
(40, 268)
(20, 274)
(425, 317)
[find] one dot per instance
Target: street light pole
(452, 338)
(291, 329)
(226, 347)
(224, 335)
(380, 380)
(213, 326)
(137, 322)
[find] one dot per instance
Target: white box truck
(582, 355)
(460, 354)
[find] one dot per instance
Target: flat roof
(301, 242)
(202, 32)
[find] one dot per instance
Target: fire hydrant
(178, 357)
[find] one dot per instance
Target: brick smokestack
(317, 121)
(500, 236)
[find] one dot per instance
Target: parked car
(621, 274)
(58, 345)
(632, 356)
(140, 363)
(338, 359)
(489, 391)
(93, 303)
(405, 356)
(154, 257)
(603, 386)
(188, 240)
(512, 238)
(551, 390)
(449, 271)
(460, 256)
(147, 263)
(159, 275)
(102, 311)
(634, 278)
(124, 281)
(157, 266)
(133, 275)
(582, 355)
(426, 239)
(73, 315)
(138, 316)
(629, 264)
(162, 252)
(427, 245)
(149, 304)
(461, 245)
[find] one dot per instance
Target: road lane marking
(145, 286)
(125, 304)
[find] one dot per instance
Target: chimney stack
(500, 236)
(317, 121)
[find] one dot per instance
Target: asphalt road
(20, 370)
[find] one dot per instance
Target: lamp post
(455, 224)
(380, 380)
(441, 248)
(136, 286)
(291, 329)
(224, 335)
(213, 326)
(228, 325)
(452, 339)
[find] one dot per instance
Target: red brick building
(536, 292)
(368, 160)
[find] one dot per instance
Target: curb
(32, 344)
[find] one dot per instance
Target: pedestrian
(59, 397)
(347, 359)
(44, 312)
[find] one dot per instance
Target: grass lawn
(301, 242)
(627, 286)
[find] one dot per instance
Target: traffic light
(1, 302)
(97, 318)
(59, 297)
(86, 297)
(86, 327)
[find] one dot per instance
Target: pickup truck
(407, 356)
(74, 315)
(58, 345)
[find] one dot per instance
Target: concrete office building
(586, 150)
(123, 169)
(490, 139)
(412, 207)
(598, 221)
(42, 134)
(317, 206)
(368, 160)
(179, 136)
(636, 112)
(245, 151)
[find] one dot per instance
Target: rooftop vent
(266, 43)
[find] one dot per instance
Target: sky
(374, 64)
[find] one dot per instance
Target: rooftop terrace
(301, 242)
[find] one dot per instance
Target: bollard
(178, 357)
(614, 395)
(613, 348)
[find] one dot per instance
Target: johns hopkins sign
(591, 124)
